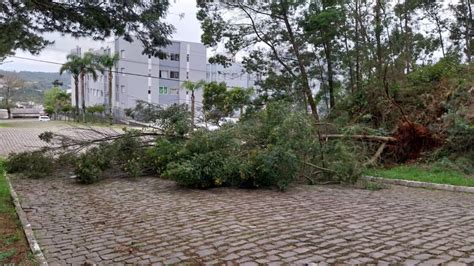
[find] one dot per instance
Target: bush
(35, 164)
(90, 165)
(163, 153)
(274, 166)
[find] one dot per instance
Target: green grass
(13, 245)
(5, 200)
(424, 174)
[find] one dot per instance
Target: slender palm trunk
(83, 99)
(110, 96)
(76, 90)
(192, 109)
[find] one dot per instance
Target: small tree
(10, 83)
(192, 87)
(55, 100)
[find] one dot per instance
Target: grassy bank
(424, 174)
(14, 248)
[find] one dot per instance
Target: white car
(43, 118)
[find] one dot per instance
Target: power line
(113, 71)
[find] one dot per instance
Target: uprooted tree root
(411, 140)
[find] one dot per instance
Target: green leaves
(23, 23)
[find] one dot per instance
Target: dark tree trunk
(304, 75)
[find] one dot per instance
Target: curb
(418, 184)
(34, 246)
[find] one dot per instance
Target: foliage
(220, 102)
(98, 108)
(34, 164)
(446, 68)
(82, 19)
(56, 100)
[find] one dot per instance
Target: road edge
(33, 243)
(419, 184)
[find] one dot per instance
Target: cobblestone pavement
(18, 135)
(150, 220)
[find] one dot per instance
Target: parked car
(43, 118)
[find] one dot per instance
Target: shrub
(35, 164)
(163, 153)
(90, 165)
(87, 169)
(274, 166)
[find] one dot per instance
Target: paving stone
(150, 220)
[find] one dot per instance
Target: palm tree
(73, 66)
(108, 62)
(88, 65)
(193, 86)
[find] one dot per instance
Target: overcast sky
(188, 28)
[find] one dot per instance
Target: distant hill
(35, 84)
(40, 80)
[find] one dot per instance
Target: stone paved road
(149, 220)
(18, 135)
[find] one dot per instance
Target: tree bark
(110, 96)
(7, 102)
(192, 109)
(83, 99)
(468, 30)
(378, 33)
(76, 90)
(303, 73)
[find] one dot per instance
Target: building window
(187, 58)
(122, 88)
(187, 74)
(163, 90)
(173, 91)
(174, 57)
(164, 74)
(174, 74)
(122, 53)
(149, 91)
(162, 55)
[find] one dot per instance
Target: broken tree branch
(360, 137)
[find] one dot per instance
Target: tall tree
(462, 28)
(73, 66)
(192, 87)
(23, 23)
(108, 62)
(323, 23)
(273, 25)
(88, 66)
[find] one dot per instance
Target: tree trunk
(192, 109)
(407, 39)
(76, 90)
(357, 45)
(378, 33)
(304, 75)
(83, 99)
(110, 96)
(7, 102)
(468, 26)
(440, 35)
(328, 53)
